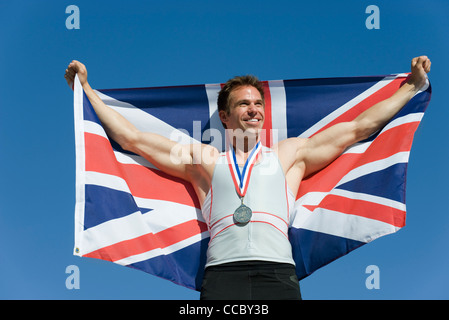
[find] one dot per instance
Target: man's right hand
(75, 67)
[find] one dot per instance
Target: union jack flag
(129, 212)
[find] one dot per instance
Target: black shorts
(251, 280)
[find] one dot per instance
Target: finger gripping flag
(131, 213)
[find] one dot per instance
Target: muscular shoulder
(200, 171)
(289, 148)
(291, 157)
(289, 151)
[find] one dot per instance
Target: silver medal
(242, 214)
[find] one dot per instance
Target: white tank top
(265, 237)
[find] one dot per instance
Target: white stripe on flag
(278, 109)
(133, 159)
(163, 251)
(368, 197)
(94, 128)
(217, 130)
(409, 118)
(106, 180)
(361, 147)
(137, 224)
(344, 225)
(315, 198)
(400, 157)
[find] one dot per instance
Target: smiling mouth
(252, 120)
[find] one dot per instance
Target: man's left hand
(420, 68)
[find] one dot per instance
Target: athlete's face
(247, 110)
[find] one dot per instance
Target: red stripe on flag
(268, 124)
(392, 141)
(362, 208)
(143, 182)
(148, 242)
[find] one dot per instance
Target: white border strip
(80, 165)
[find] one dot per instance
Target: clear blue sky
(156, 43)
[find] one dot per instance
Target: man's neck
(243, 149)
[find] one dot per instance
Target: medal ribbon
(241, 179)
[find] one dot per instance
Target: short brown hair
(234, 83)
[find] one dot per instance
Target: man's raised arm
(321, 149)
(155, 148)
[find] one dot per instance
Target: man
(247, 192)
